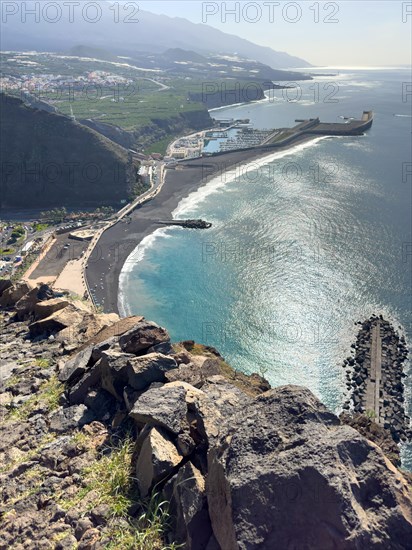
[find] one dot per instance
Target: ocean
(304, 243)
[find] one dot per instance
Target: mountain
(53, 161)
(93, 53)
(178, 54)
(152, 33)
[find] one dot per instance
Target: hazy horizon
(371, 24)
(325, 34)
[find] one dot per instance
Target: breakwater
(375, 374)
(352, 128)
(188, 224)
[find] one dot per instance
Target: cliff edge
(103, 420)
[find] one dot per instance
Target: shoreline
(119, 241)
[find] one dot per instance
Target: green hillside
(49, 160)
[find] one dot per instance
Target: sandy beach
(118, 242)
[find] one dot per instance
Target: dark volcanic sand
(119, 241)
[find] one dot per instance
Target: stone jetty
(188, 224)
(375, 374)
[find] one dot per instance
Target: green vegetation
(145, 533)
(161, 145)
(40, 227)
(47, 397)
(43, 363)
(17, 234)
(130, 107)
(56, 215)
(109, 481)
(138, 189)
(104, 211)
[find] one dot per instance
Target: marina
(239, 135)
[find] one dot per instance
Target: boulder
(70, 418)
(113, 331)
(110, 343)
(12, 294)
(145, 370)
(48, 307)
(121, 369)
(165, 407)
(196, 372)
(374, 432)
(28, 305)
(57, 321)
(24, 308)
(100, 402)
(158, 459)
(91, 378)
(143, 336)
(195, 369)
(186, 495)
(284, 473)
(165, 347)
(76, 366)
(4, 285)
(114, 367)
(221, 400)
(88, 325)
(6, 371)
(46, 293)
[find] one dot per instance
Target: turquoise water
(303, 244)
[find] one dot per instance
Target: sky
(341, 33)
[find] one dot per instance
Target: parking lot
(62, 250)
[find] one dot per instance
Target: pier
(373, 382)
(375, 377)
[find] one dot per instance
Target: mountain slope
(50, 160)
(152, 32)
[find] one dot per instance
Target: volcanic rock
(285, 474)
(143, 336)
(158, 458)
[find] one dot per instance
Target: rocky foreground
(99, 415)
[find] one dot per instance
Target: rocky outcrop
(142, 337)
(158, 459)
(13, 293)
(286, 474)
(273, 469)
(57, 321)
(49, 307)
(242, 465)
(4, 285)
(372, 431)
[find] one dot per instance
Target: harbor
(239, 135)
